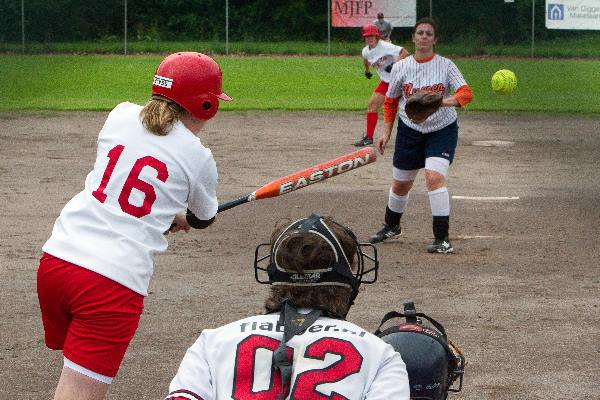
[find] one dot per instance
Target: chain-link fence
(266, 26)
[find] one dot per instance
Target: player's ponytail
(159, 114)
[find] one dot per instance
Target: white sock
(439, 200)
(397, 203)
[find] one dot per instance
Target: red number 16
(133, 181)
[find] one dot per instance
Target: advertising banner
(573, 14)
(360, 13)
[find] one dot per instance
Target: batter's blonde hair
(159, 114)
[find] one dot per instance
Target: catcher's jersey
(382, 56)
(333, 358)
(438, 74)
(138, 184)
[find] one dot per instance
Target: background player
(385, 27)
(381, 56)
(303, 347)
(428, 145)
(97, 264)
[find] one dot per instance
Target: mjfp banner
(360, 13)
(573, 14)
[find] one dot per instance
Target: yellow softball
(504, 81)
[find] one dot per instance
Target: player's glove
(388, 68)
(421, 105)
(368, 74)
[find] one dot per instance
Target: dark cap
(379, 15)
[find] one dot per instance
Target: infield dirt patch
(520, 296)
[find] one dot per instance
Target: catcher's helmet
(192, 80)
(340, 273)
(433, 362)
(370, 30)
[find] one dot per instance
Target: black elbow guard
(198, 223)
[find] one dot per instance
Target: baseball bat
(306, 177)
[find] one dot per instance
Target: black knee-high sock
(441, 226)
(392, 218)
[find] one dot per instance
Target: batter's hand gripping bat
(308, 176)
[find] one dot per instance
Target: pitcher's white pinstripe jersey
(437, 74)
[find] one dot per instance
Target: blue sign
(556, 11)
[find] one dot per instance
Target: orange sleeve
(390, 109)
(463, 95)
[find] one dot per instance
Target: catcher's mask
(432, 361)
(339, 273)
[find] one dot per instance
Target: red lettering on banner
(353, 7)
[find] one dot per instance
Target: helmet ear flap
(208, 106)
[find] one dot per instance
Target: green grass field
(97, 82)
(585, 45)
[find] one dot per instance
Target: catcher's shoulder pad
(421, 105)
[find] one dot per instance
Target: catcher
(421, 86)
(302, 348)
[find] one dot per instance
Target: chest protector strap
(294, 323)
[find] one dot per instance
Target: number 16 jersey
(332, 359)
(139, 182)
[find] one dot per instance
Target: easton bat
(306, 177)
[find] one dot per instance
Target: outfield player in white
(431, 144)
(97, 264)
(303, 348)
(380, 55)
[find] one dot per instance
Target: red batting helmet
(370, 30)
(192, 80)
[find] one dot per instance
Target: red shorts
(90, 317)
(382, 88)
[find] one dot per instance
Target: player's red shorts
(382, 88)
(90, 317)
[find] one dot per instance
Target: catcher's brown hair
(159, 114)
(300, 252)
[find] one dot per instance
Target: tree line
(479, 21)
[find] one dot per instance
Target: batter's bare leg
(75, 386)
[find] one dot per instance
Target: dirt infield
(520, 296)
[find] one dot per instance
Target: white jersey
(382, 56)
(139, 182)
(438, 74)
(332, 356)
